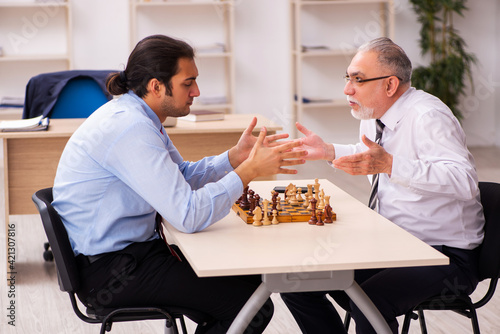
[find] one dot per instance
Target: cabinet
(35, 37)
(208, 26)
(325, 36)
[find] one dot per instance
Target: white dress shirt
(433, 189)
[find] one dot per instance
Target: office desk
(31, 158)
(300, 257)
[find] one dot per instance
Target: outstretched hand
(268, 159)
(375, 160)
(242, 149)
(316, 148)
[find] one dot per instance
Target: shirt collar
(147, 109)
(397, 111)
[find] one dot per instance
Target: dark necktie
(373, 193)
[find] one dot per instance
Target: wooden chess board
(287, 214)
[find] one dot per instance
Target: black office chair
(67, 272)
(489, 267)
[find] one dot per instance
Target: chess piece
(321, 203)
(306, 201)
(274, 200)
(278, 203)
(257, 200)
(309, 190)
(328, 215)
(244, 203)
(257, 216)
(275, 218)
(299, 195)
(266, 220)
(313, 219)
(316, 189)
(292, 198)
(320, 220)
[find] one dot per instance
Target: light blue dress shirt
(120, 168)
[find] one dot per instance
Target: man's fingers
(369, 143)
(271, 139)
(302, 129)
(262, 136)
(251, 126)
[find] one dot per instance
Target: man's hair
(155, 56)
(390, 56)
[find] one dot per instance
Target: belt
(86, 260)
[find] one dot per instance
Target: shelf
(181, 3)
(14, 4)
(208, 26)
(319, 58)
(338, 2)
(213, 54)
(336, 103)
(325, 53)
(57, 57)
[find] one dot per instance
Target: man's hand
(373, 161)
(268, 159)
(316, 148)
(242, 149)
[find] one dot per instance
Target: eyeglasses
(357, 80)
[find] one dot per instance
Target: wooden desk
(301, 257)
(31, 158)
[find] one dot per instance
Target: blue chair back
(79, 98)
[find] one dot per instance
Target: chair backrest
(64, 257)
(489, 258)
(66, 94)
(79, 98)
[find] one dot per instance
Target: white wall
(263, 62)
(264, 32)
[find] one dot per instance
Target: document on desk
(38, 123)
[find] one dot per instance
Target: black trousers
(394, 292)
(147, 274)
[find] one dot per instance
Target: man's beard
(363, 113)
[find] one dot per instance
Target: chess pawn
(320, 220)
(299, 195)
(275, 218)
(278, 203)
(257, 216)
(306, 201)
(292, 198)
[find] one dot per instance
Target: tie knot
(380, 129)
(380, 126)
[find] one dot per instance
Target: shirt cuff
(222, 164)
(233, 185)
(342, 150)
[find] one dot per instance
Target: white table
(294, 257)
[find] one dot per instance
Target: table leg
(249, 310)
(363, 302)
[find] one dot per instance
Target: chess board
(287, 214)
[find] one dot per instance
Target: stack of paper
(31, 124)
